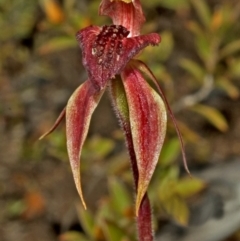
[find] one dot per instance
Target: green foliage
(97, 148)
(114, 216)
(16, 18)
(213, 115)
(121, 201)
(214, 45)
(173, 193)
(169, 152)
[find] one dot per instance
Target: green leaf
(119, 196)
(118, 164)
(228, 87)
(169, 152)
(177, 208)
(17, 18)
(161, 52)
(166, 190)
(203, 47)
(104, 210)
(167, 183)
(56, 145)
(229, 49)
(187, 187)
(16, 208)
(97, 147)
(57, 44)
(166, 46)
(102, 146)
(86, 220)
(112, 231)
(188, 133)
(203, 11)
(212, 115)
(193, 68)
(234, 67)
(195, 28)
(171, 174)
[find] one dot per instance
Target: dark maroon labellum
(107, 50)
(108, 42)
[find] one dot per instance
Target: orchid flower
(108, 55)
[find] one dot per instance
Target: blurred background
(198, 67)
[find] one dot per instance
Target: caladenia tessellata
(108, 55)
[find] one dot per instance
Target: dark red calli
(107, 50)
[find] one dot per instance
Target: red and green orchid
(108, 55)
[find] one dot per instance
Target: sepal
(148, 121)
(79, 111)
(127, 13)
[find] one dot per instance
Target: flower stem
(144, 218)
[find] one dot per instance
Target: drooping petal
(129, 14)
(55, 125)
(79, 111)
(148, 125)
(107, 50)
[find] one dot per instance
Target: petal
(55, 125)
(148, 126)
(144, 68)
(106, 53)
(79, 110)
(129, 14)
